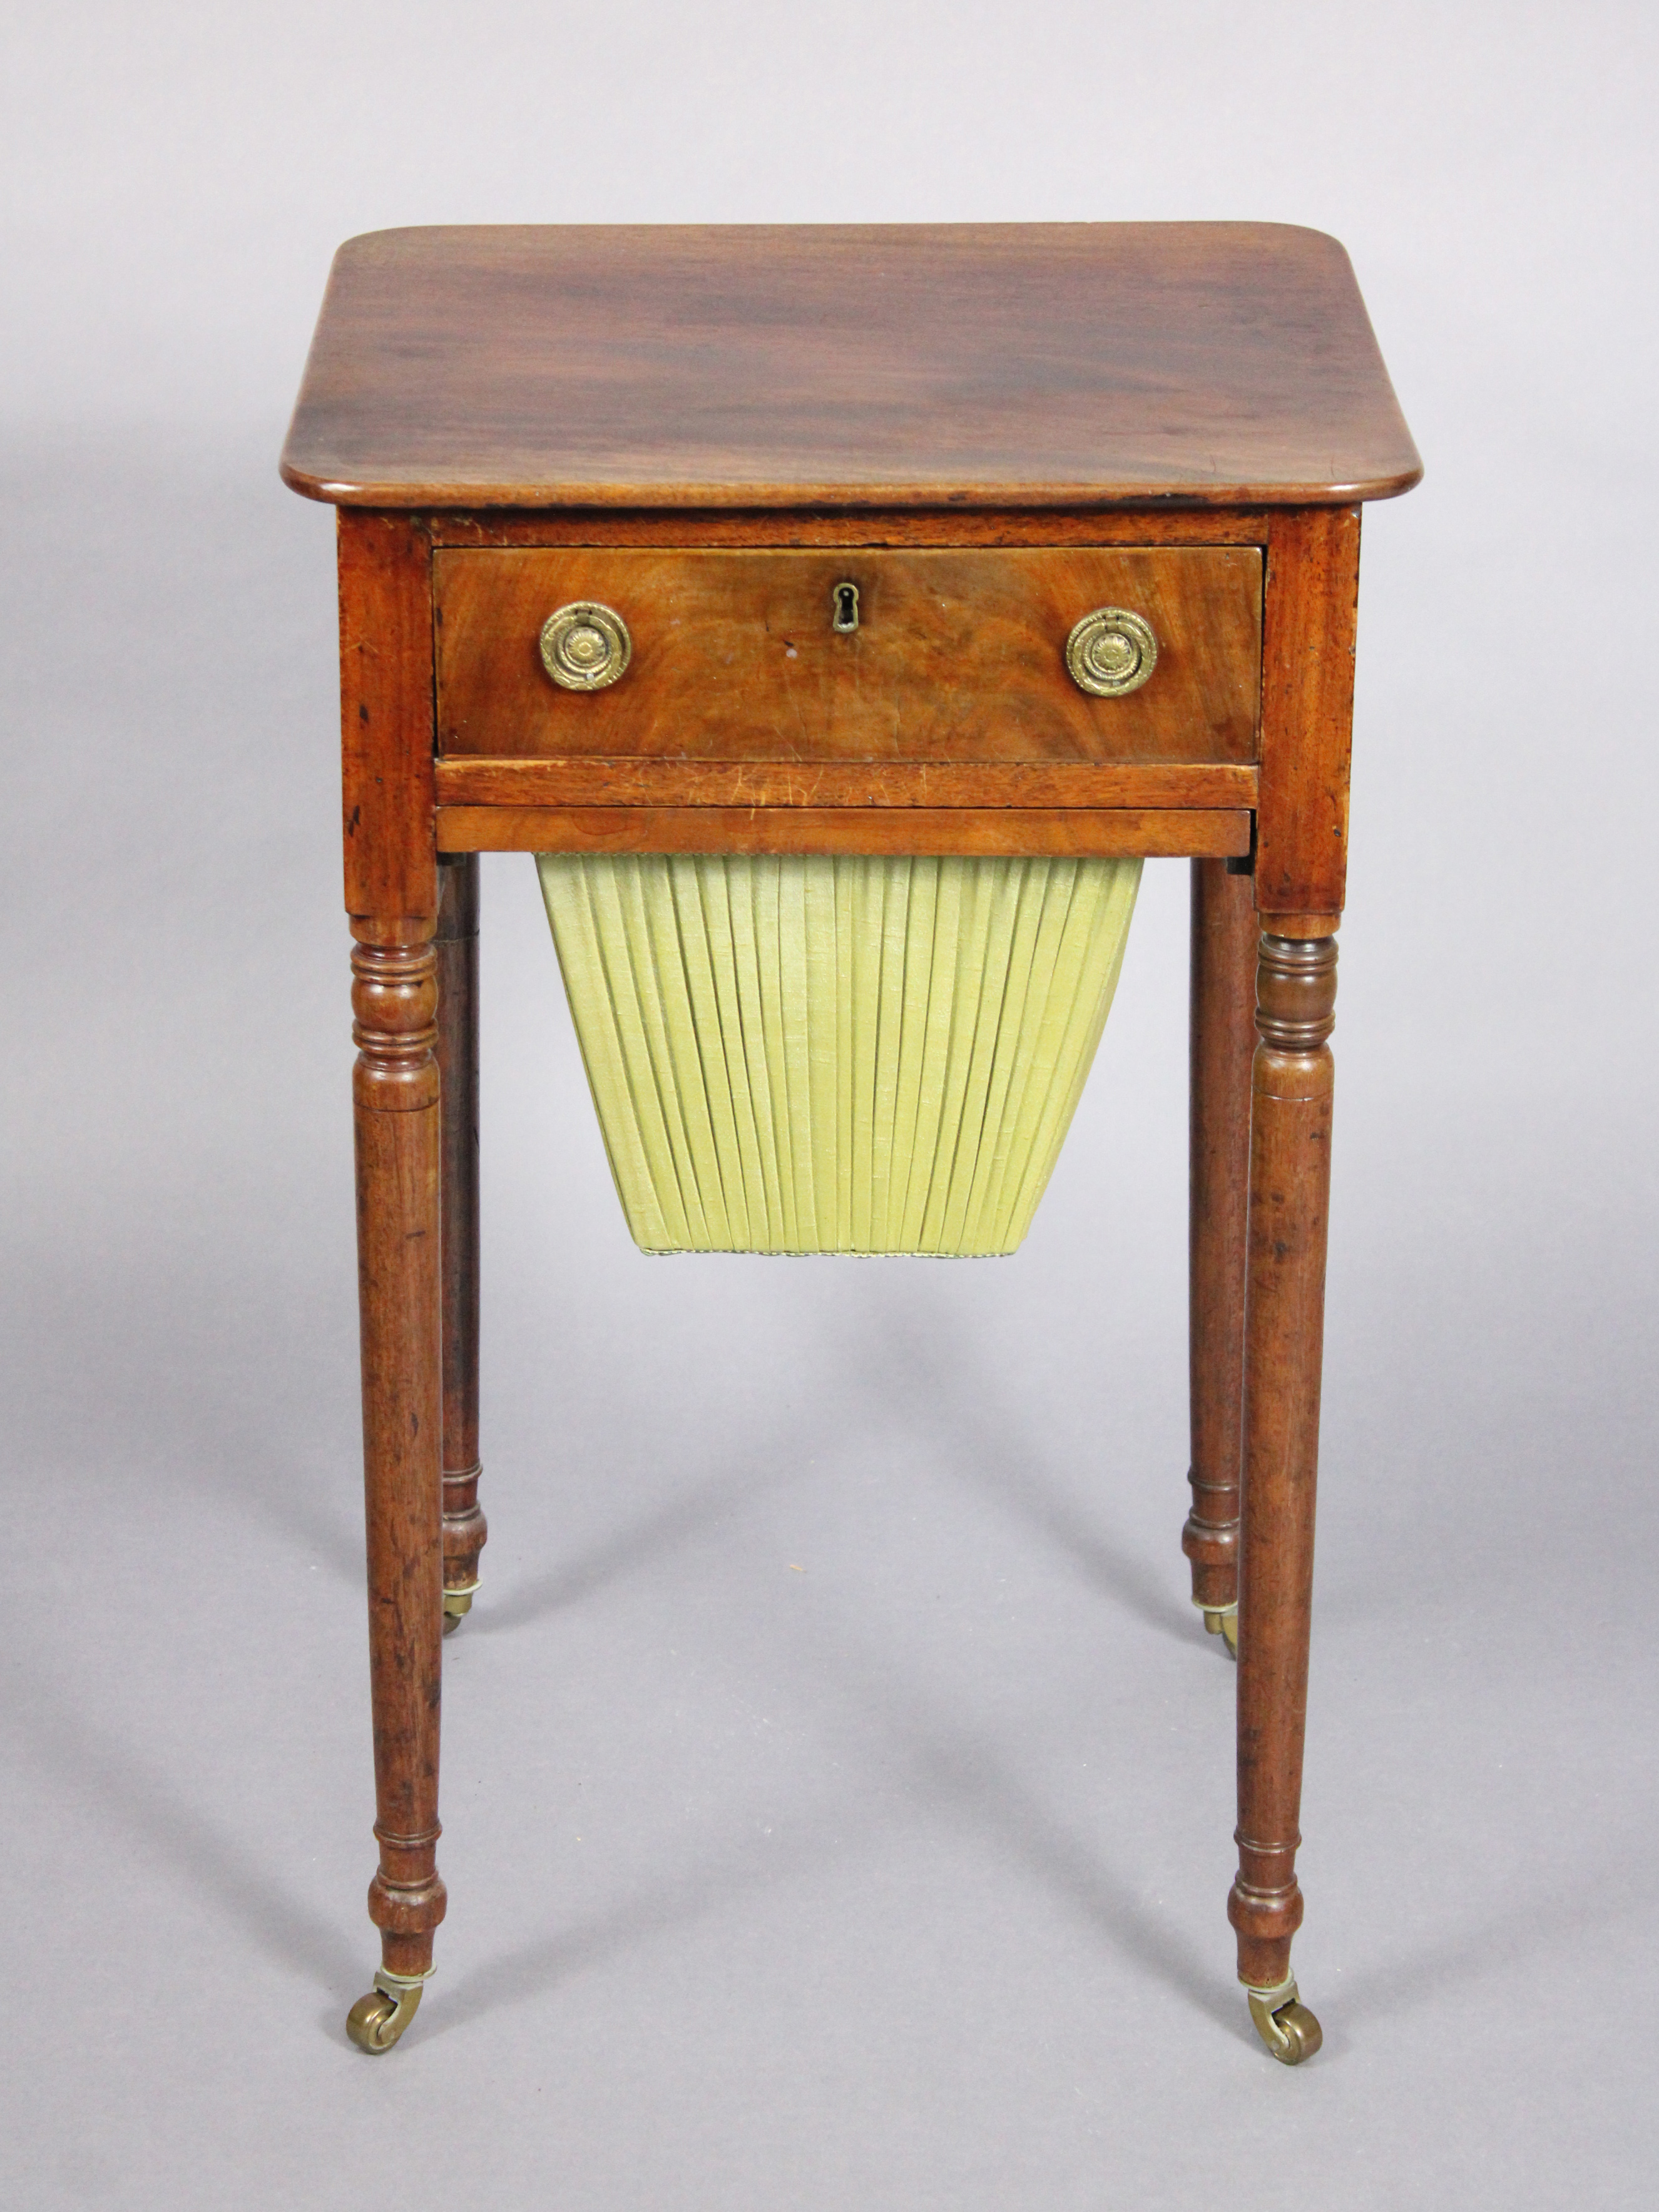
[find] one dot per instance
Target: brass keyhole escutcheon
(1110, 652)
(844, 609)
(586, 646)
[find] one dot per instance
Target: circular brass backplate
(586, 646)
(1111, 651)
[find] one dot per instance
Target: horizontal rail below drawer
(491, 781)
(1200, 833)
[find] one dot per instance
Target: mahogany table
(1065, 522)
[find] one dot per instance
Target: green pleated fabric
(848, 1054)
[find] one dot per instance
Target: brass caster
(457, 1604)
(1222, 1621)
(375, 2022)
(1285, 2024)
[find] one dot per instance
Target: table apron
(1164, 832)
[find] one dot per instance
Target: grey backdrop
(837, 1783)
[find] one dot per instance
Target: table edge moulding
(965, 566)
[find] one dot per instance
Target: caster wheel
(457, 1604)
(1225, 1623)
(375, 2022)
(1285, 2024)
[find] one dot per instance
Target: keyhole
(844, 603)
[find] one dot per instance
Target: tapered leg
(1284, 1340)
(1221, 1040)
(397, 1116)
(464, 1528)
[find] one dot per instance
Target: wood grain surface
(391, 897)
(462, 782)
(1292, 1083)
(395, 1115)
(385, 717)
(1166, 831)
(981, 364)
(958, 656)
(508, 528)
(1307, 718)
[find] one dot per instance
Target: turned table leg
(464, 1528)
(397, 1114)
(1284, 1327)
(1221, 1040)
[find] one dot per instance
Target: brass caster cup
(375, 2022)
(457, 1604)
(1285, 2024)
(1222, 1621)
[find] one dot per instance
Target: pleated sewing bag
(855, 1055)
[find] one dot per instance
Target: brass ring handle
(1110, 652)
(586, 646)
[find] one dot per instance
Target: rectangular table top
(954, 365)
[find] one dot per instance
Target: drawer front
(956, 656)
